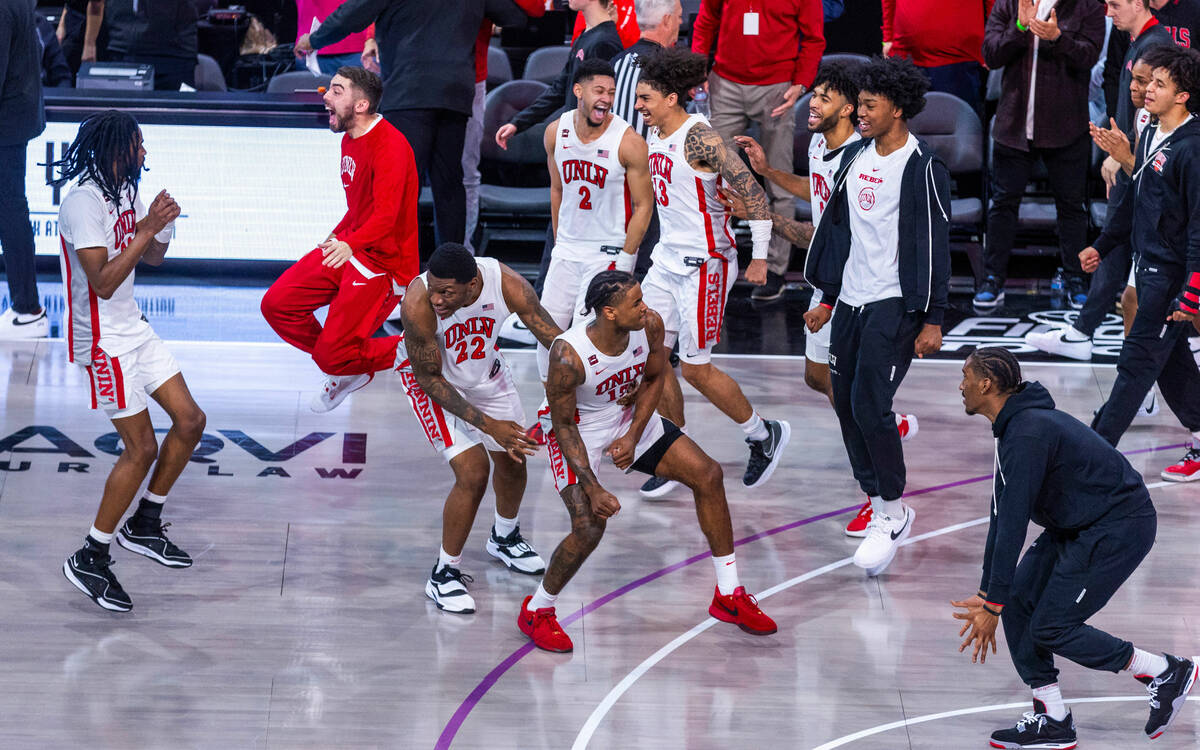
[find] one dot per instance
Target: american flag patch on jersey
(488, 306)
(671, 147)
(602, 153)
(637, 352)
(593, 359)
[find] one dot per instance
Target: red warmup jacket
(532, 8)
(936, 32)
(379, 174)
(787, 47)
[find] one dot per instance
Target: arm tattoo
(426, 359)
(799, 234)
(573, 550)
(535, 317)
(704, 146)
(564, 376)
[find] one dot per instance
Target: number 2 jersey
(87, 219)
(595, 206)
(695, 225)
(469, 338)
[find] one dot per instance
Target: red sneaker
(858, 525)
(536, 434)
(906, 425)
(742, 610)
(1187, 470)
(542, 626)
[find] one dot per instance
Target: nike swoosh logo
(358, 283)
(896, 534)
(28, 322)
(727, 609)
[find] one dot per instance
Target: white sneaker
(335, 391)
(446, 587)
(1150, 406)
(15, 325)
(1053, 342)
(515, 552)
(884, 536)
(514, 330)
(907, 426)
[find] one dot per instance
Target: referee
(1099, 524)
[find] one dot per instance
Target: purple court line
(491, 678)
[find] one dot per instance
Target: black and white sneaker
(657, 487)
(1168, 692)
(515, 552)
(447, 588)
(90, 573)
(765, 453)
(153, 543)
(1037, 730)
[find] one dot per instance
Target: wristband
(1021, 26)
(760, 238)
(825, 305)
(990, 611)
(625, 261)
(166, 234)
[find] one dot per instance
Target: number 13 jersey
(595, 206)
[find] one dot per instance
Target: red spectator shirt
(786, 49)
(627, 25)
(379, 174)
(532, 8)
(936, 32)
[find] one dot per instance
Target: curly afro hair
(674, 70)
(1183, 67)
(842, 78)
(899, 81)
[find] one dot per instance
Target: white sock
(1073, 334)
(542, 599)
(892, 508)
(727, 577)
(1051, 696)
(156, 499)
(504, 526)
(445, 558)
(754, 427)
(100, 536)
(876, 504)
(1196, 440)
(1146, 663)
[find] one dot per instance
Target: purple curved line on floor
(492, 677)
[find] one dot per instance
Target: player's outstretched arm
(522, 300)
(793, 183)
(634, 156)
(706, 149)
(797, 232)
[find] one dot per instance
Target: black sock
(99, 549)
(148, 514)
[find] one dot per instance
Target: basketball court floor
(303, 623)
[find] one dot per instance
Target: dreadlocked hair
(998, 365)
(674, 70)
(104, 140)
(606, 289)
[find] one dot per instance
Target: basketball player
(593, 366)
(1157, 216)
(463, 394)
(833, 119)
(881, 255)
(1099, 525)
(600, 196)
(105, 232)
(361, 269)
(695, 261)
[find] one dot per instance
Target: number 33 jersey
(595, 207)
(471, 356)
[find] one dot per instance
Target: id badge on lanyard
(750, 22)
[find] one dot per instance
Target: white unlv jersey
(608, 378)
(468, 338)
(823, 165)
(694, 223)
(595, 209)
(86, 219)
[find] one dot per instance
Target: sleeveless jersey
(595, 207)
(823, 165)
(694, 223)
(608, 378)
(468, 338)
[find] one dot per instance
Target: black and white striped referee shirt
(628, 74)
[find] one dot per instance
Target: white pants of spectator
(470, 162)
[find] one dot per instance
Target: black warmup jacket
(1054, 470)
(924, 233)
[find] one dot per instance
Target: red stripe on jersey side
(563, 476)
(94, 314)
(701, 305)
(440, 416)
(92, 380)
(723, 292)
(708, 227)
(119, 379)
(628, 202)
(69, 316)
(421, 407)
